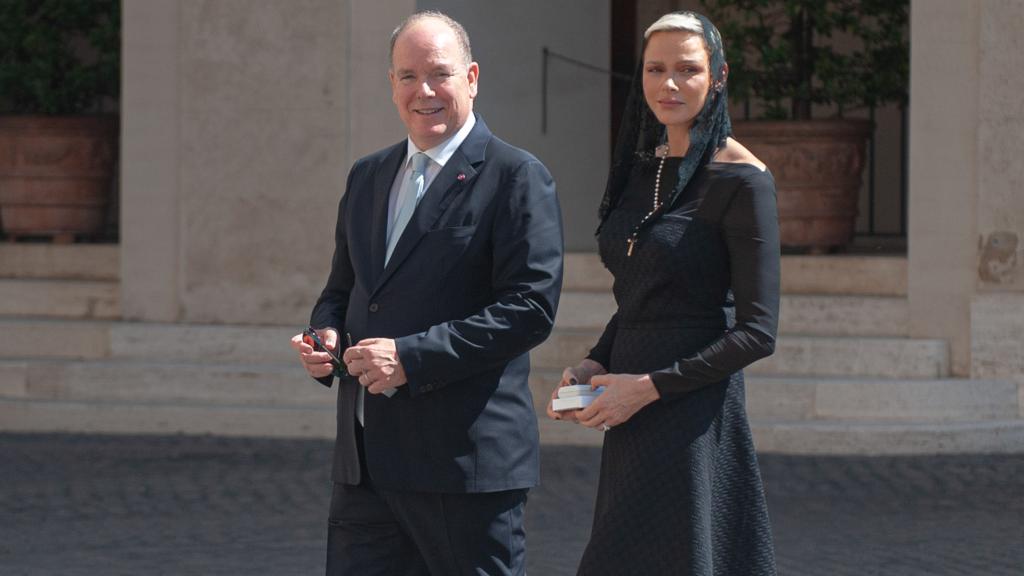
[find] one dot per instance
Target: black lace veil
(640, 132)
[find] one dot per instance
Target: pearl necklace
(662, 152)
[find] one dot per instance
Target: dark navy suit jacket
(471, 287)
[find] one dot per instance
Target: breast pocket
(442, 249)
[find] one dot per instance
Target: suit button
(374, 307)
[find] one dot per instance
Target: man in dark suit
(446, 272)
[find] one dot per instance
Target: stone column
(150, 161)
(943, 195)
(997, 311)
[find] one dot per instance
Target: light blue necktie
(409, 196)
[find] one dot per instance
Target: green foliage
(59, 56)
(781, 52)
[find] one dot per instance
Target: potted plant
(785, 62)
(59, 73)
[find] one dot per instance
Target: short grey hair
(676, 22)
(460, 33)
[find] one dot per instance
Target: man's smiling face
(431, 84)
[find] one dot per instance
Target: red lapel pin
(461, 177)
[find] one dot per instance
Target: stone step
(584, 272)
(34, 338)
(799, 437)
(838, 399)
(267, 385)
(837, 275)
(869, 438)
(858, 357)
(134, 397)
(861, 438)
(795, 355)
(50, 338)
(285, 384)
(216, 419)
(845, 275)
(851, 438)
(280, 385)
(823, 315)
(105, 417)
(60, 261)
(847, 356)
(203, 343)
(88, 299)
(826, 315)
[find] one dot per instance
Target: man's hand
(375, 362)
(624, 395)
(317, 364)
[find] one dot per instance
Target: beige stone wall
(373, 121)
(241, 118)
(263, 154)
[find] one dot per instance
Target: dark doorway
(624, 47)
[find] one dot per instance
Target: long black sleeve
(330, 308)
(750, 226)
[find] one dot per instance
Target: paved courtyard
(112, 505)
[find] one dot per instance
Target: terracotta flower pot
(817, 166)
(55, 175)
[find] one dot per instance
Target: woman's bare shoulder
(735, 153)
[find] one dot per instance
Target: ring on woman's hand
(605, 427)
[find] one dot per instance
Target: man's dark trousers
(380, 532)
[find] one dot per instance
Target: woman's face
(677, 76)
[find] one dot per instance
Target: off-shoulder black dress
(680, 491)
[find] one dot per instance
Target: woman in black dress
(689, 230)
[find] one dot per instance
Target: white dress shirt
(439, 156)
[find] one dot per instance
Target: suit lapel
(457, 174)
(382, 182)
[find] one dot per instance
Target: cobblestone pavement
(112, 505)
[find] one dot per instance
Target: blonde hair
(676, 22)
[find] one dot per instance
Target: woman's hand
(624, 395)
(581, 374)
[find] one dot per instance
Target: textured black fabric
(680, 491)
